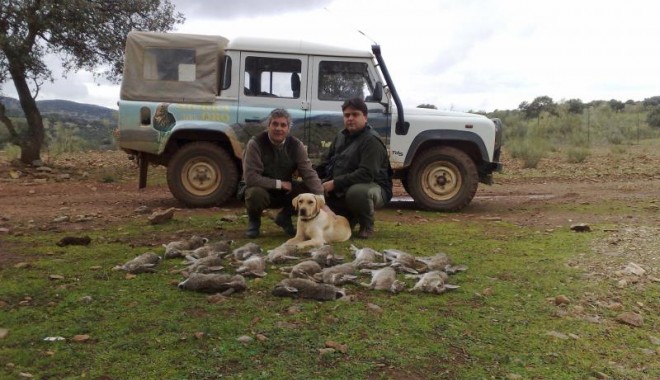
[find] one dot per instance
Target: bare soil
(92, 190)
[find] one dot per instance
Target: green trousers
(258, 199)
(359, 203)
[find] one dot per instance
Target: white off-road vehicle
(191, 103)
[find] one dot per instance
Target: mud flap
(143, 165)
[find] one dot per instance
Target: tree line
(575, 106)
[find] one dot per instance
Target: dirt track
(626, 189)
(75, 188)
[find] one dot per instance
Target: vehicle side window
(343, 80)
(169, 64)
(226, 73)
(272, 77)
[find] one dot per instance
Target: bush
(576, 155)
(530, 151)
(579, 139)
(532, 156)
(65, 140)
(618, 149)
(615, 137)
(12, 152)
(653, 118)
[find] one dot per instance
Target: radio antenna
(351, 26)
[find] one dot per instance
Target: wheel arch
(183, 137)
(468, 142)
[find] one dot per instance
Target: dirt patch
(92, 190)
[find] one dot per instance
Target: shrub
(576, 155)
(614, 137)
(65, 140)
(530, 151)
(12, 152)
(653, 118)
(532, 155)
(618, 149)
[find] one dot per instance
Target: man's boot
(254, 223)
(366, 227)
(283, 219)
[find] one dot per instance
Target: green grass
(494, 325)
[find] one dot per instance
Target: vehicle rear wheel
(202, 174)
(442, 179)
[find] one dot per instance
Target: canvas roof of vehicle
(203, 88)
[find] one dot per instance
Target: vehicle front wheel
(202, 174)
(442, 179)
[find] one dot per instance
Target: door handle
(252, 120)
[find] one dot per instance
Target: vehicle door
(333, 81)
(269, 81)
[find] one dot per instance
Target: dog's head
(308, 205)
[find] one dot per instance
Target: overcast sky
(455, 54)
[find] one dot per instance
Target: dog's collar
(308, 218)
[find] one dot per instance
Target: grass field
(538, 300)
(501, 323)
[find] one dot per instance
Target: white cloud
(475, 54)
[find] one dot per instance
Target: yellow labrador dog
(317, 227)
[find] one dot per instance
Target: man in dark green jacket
(356, 172)
(270, 160)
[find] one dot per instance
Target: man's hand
(286, 186)
(329, 186)
(329, 211)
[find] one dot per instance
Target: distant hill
(63, 108)
(91, 124)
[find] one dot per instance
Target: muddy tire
(442, 179)
(202, 174)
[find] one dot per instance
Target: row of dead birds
(319, 277)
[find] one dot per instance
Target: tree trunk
(33, 140)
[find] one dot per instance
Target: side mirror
(378, 93)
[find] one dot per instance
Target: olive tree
(575, 106)
(83, 34)
(653, 118)
(539, 104)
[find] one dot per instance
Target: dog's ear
(320, 202)
(295, 202)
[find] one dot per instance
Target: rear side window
(272, 77)
(226, 73)
(169, 64)
(343, 80)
